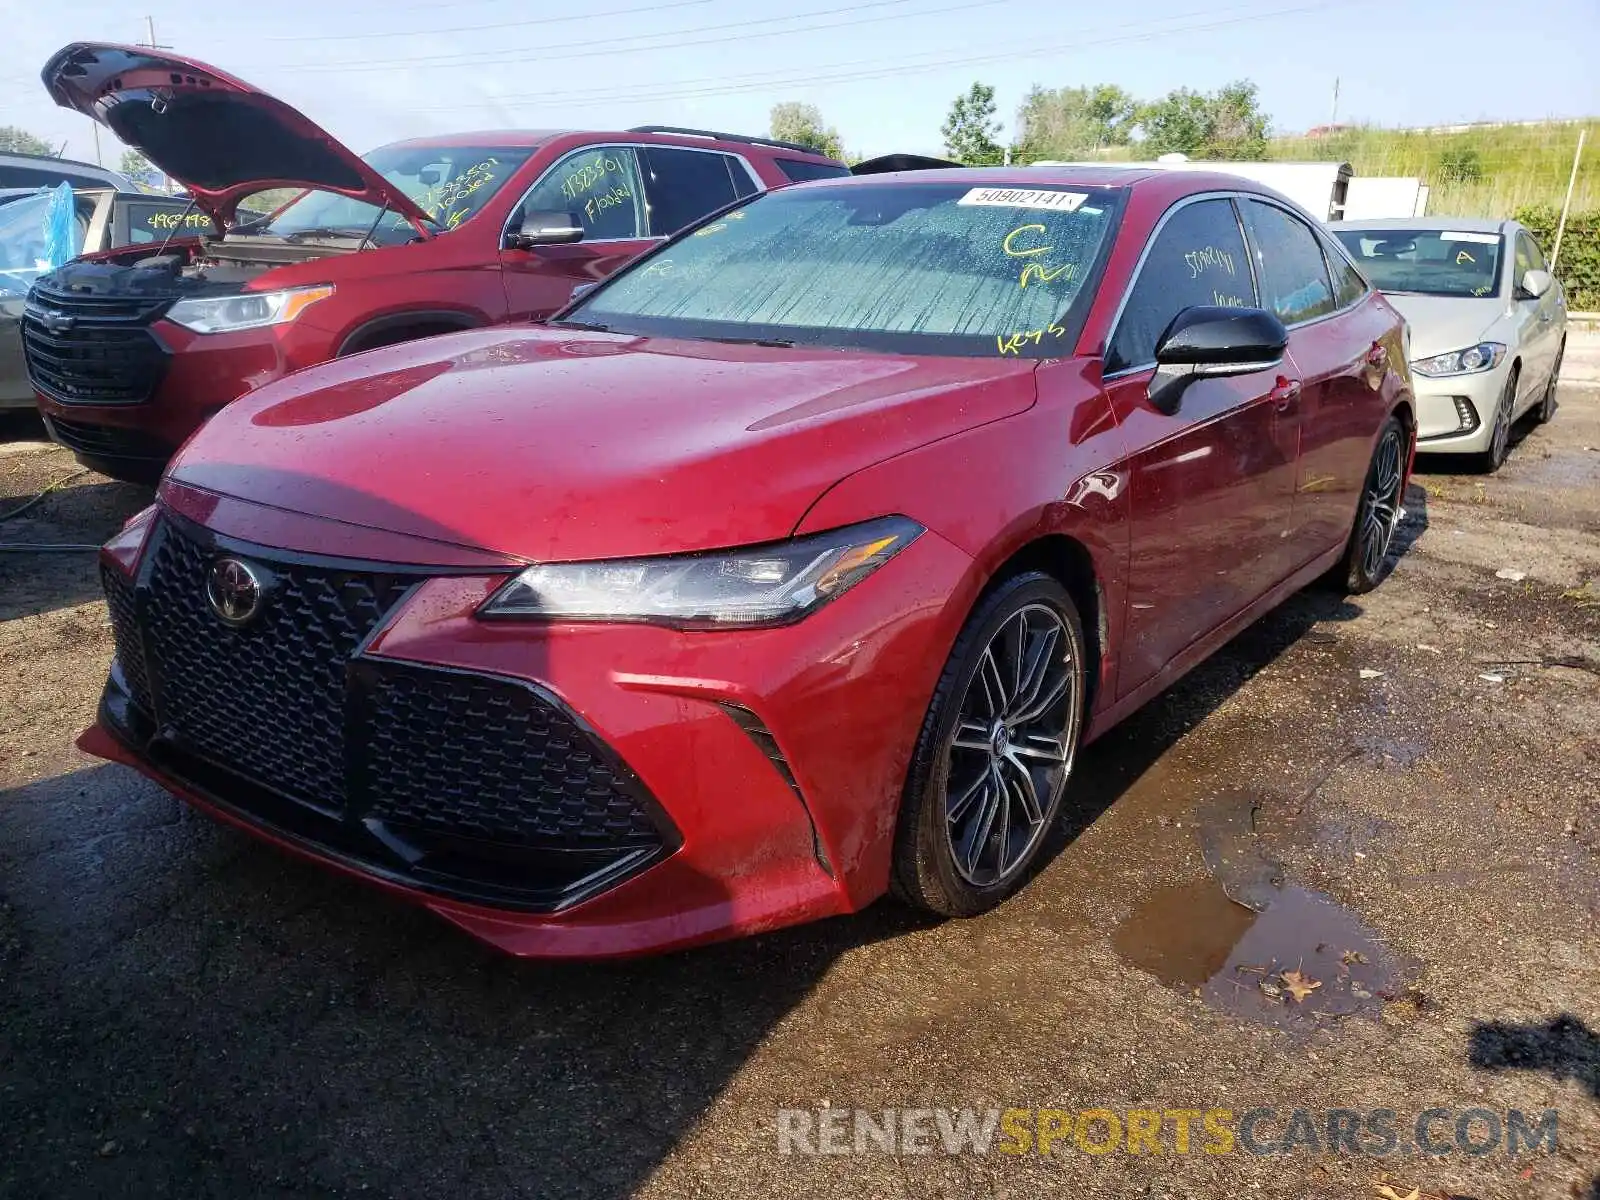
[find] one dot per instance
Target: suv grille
(106, 355)
(472, 785)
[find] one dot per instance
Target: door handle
(1284, 394)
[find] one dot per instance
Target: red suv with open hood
(131, 352)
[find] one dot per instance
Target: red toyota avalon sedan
(788, 567)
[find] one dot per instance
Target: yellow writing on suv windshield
(1019, 244)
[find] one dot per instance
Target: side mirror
(1535, 283)
(1208, 341)
(545, 229)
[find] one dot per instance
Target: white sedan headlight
(760, 585)
(1485, 356)
(246, 310)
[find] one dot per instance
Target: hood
(1440, 324)
(556, 445)
(216, 135)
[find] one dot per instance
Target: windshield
(25, 241)
(449, 183)
(1427, 262)
(925, 268)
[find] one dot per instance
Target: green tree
(970, 131)
(136, 166)
(20, 141)
(792, 121)
(1074, 121)
(1227, 123)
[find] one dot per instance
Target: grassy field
(1486, 171)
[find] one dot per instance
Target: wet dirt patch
(1299, 964)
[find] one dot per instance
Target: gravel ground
(1397, 796)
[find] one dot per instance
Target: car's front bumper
(1455, 413)
(772, 760)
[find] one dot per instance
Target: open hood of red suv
(218, 136)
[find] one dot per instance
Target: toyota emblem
(234, 591)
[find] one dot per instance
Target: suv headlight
(246, 310)
(1483, 357)
(760, 585)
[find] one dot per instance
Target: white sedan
(1488, 324)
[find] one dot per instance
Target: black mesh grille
(483, 758)
(475, 786)
(267, 700)
(124, 625)
(106, 355)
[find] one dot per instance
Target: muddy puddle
(1249, 943)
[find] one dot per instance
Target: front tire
(1547, 406)
(995, 751)
(1377, 516)
(1491, 459)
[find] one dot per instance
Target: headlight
(761, 585)
(248, 310)
(1482, 357)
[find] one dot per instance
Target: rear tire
(1366, 554)
(995, 751)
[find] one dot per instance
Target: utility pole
(1566, 205)
(1333, 116)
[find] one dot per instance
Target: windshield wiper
(322, 231)
(591, 326)
(778, 343)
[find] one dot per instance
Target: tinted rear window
(798, 170)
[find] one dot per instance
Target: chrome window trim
(635, 146)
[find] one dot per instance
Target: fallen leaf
(1300, 986)
(1388, 1193)
(1352, 956)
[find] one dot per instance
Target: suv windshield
(449, 183)
(1427, 262)
(925, 268)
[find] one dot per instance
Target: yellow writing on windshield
(1462, 258)
(1021, 242)
(443, 201)
(1015, 343)
(1208, 258)
(710, 229)
(172, 220)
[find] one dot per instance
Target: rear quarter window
(797, 170)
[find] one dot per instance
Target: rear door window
(1294, 276)
(1198, 257)
(599, 185)
(685, 185)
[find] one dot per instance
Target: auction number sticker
(1024, 198)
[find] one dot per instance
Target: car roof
(1428, 224)
(534, 138)
(1173, 183)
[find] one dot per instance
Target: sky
(883, 72)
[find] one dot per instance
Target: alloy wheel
(1381, 511)
(1501, 437)
(1011, 750)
